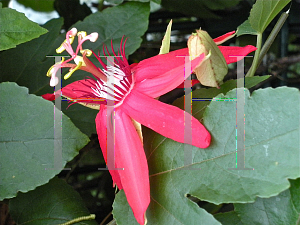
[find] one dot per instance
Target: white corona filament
(111, 89)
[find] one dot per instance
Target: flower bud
(213, 68)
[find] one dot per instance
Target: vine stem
(254, 65)
(100, 5)
(79, 219)
(273, 35)
(260, 52)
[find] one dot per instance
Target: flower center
(118, 85)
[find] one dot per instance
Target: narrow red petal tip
(141, 219)
(224, 37)
(49, 97)
(208, 140)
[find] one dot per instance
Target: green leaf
(264, 11)
(83, 117)
(198, 8)
(209, 93)
(156, 1)
(41, 6)
(245, 28)
(249, 83)
(187, 212)
(27, 141)
(53, 203)
(115, 1)
(129, 19)
(30, 66)
(120, 1)
(295, 197)
(229, 218)
(266, 211)
(16, 29)
(271, 130)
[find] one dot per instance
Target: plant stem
(79, 219)
(273, 35)
(256, 56)
(113, 222)
(260, 53)
(100, 5)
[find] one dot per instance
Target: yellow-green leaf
(165, 45)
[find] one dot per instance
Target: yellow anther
(87, 51)
(49, 73)
(81, 33)
(68, 75)
(71, 39)
(61, 48)
(79, 59)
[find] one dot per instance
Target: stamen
(114, 82)
(93, 37)
(53, 81)
(82, 38)
(66, 43)
(119, 74)
(87, 52)
(79, 59)
(120, 89)
(72, 32)
(61, 48)
(81, 34)
(99, 85)
(97, 92)
(68, 75)
(52, 70)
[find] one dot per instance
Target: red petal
(165, 119)
(74, 90)
(159, 80)
(224, 37)
(133, 65)
(81, 92)
(159, 64)
(230, 52)
(130, 155)
(101, 122)
(48, 96)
